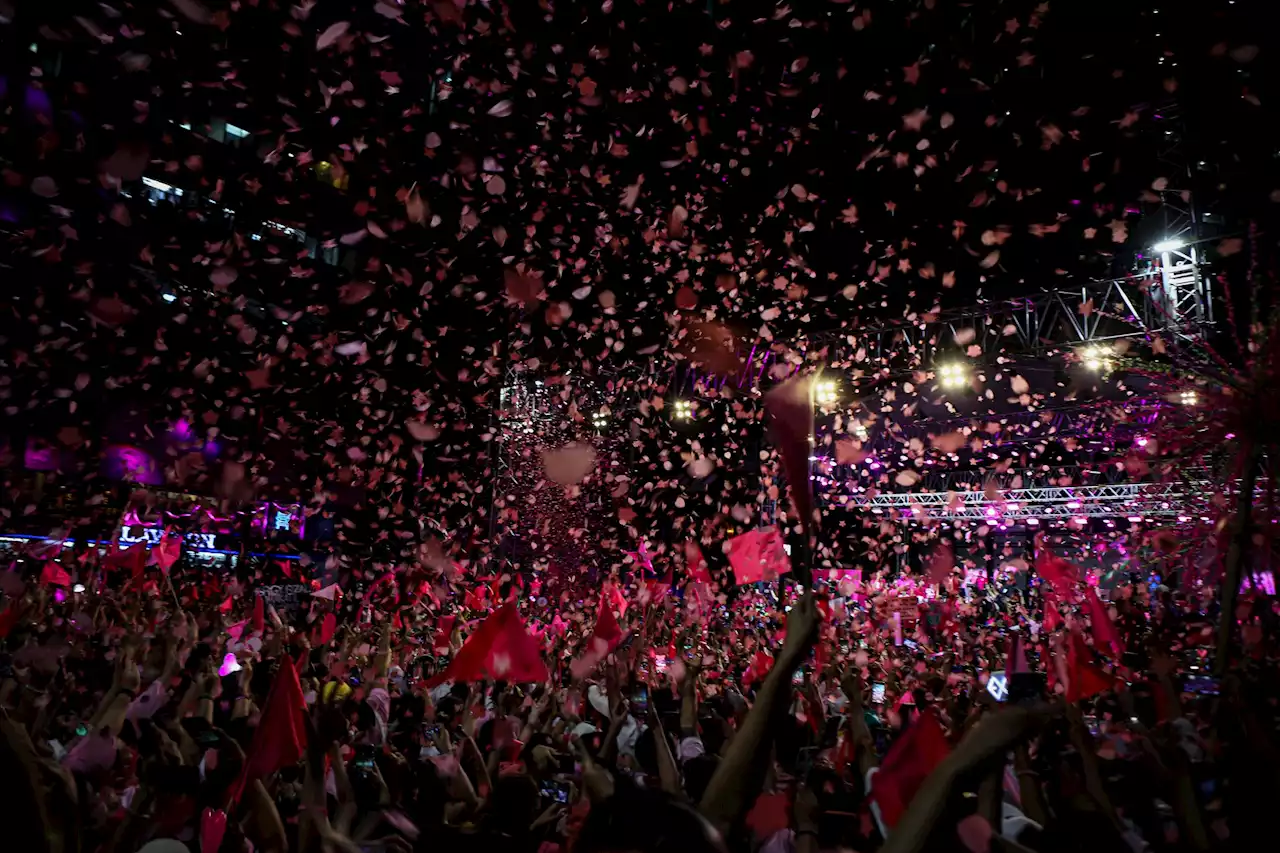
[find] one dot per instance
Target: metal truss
(1149, 500)
(1171, 300)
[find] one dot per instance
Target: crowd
(154, 709)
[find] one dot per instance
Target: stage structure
(1146, 501)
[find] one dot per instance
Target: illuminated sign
(153, 535)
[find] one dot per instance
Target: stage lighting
(1096, 358)
(683, 410)
(1188, 398)
(824, 393)
(600, 420)
(953, 375)
(1169, 245)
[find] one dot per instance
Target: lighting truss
(1171, 299)
(1156, 500)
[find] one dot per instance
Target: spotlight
(683, 410)
(600, 420)
(824, 393)
(1169, 245)
(953, 375)
(1096, 358)
(1188, 398)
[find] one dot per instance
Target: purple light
(1142, 441)
(1135, 519)
(1073, 504)
(991, 512)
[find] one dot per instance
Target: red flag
(941, 562)
(790, 413)
(281, 737)
(604, 639)
(133, 558)
(695, 564)
(1016, 658)
(328, 627)
(905, 767)
(1104, 630)
(8, 618)
(1053, 568)
(167, 552)
(501, 648)
(444, 630)
(1052, 618)
(760, 666)
(758, 555)
(55, 575)
(258, 624)
(1084, 679)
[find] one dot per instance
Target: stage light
(1188, 398)
(824, 393)
(953, 375)
(1096, 358)
(600, 420)
(683, 410)
(1169, 245)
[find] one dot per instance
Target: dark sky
(563, 187)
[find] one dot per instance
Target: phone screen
(877, 694)
(1203, 685)
(557, 792)
(640, 698)
(797, 678)
(1091, 723)
(366, 755)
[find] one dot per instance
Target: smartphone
(877, 694)
(910, 643)
(797, 677)
(660, 663)
(1201, 685)
(1091, 723)
(366, 756)
(555, 792)
(640, 699)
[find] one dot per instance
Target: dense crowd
(159, 709)
(490, 294)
